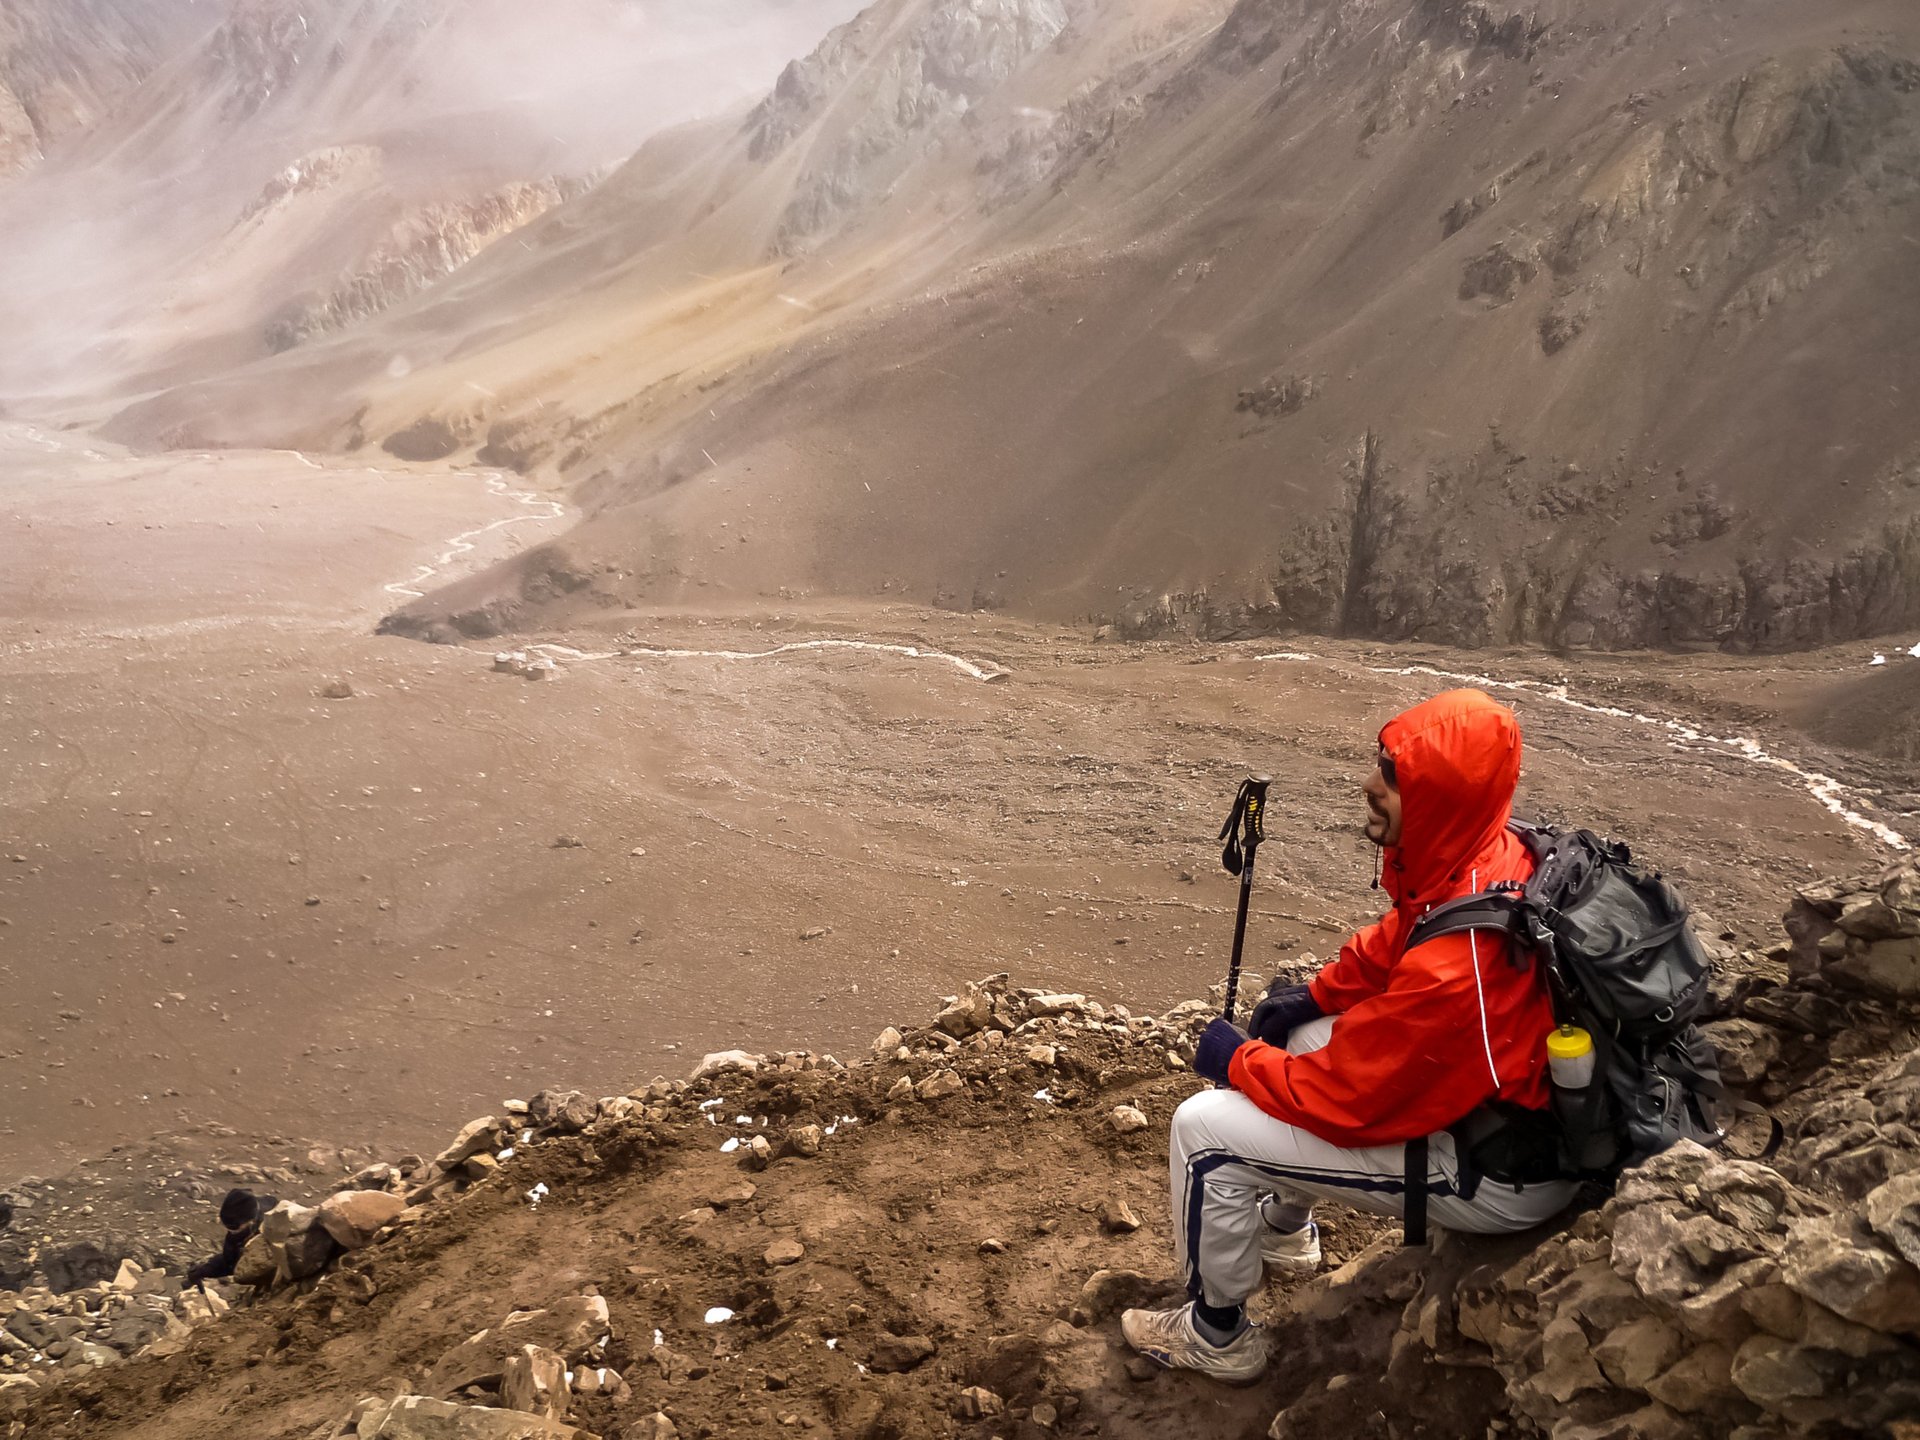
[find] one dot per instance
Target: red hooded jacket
(1424, 1035)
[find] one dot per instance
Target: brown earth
(177, 792)
(892, 1215)
(921, 1247)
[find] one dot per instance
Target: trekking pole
(1246, 827)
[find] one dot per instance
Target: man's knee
(1196, 1122)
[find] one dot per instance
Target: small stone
(993, 1246)
(737, 1193)
(568, 842)
(1044, 1415)
(1127, 1119)
(886, 1042)
(976, 1402)
(478, 1167)
(759, 1152)
(1117, 1217)
(1045, 1006)
(901, 1089)
(655, 1427)
(817, 932)
(940, 1084)
(805, 1140)
(1045, 1056)
(784, 1252)
(336, 690)
(1140, 1369)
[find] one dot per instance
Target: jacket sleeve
(1359, 973)
(226, 1262)
(1408, 1061)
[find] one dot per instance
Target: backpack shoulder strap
(1493, 910)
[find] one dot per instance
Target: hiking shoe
(1167, 1337)
(1295, 1251)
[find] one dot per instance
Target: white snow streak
(1829, 792)
(462, 544)
(967, 667)
(911, 652)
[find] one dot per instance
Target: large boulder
(354, 1217)
(1862, 933)
(257, 1266)
(294, 1242)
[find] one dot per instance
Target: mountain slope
(1431, 319)
(64, 64)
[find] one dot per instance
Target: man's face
(1383, 807)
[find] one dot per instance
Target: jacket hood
(1456, 759)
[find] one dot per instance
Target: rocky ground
(936, 1241)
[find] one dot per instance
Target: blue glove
(1285, 1008)
(1214, 1053)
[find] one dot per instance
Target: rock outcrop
(907, 86)
(420, 251)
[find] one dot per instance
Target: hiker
(1384, 1046)
(241, 1212)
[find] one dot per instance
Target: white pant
(1225, 1154)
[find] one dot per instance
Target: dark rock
(896, 1354)
(566, 1112)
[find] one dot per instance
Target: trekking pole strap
(1416, 1176)
(1246, 825)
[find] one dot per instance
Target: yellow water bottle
(1570, 1057)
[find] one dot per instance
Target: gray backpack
(1621, 962)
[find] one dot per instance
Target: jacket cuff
(1237, 1071)
(1319, 996)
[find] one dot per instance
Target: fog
(131, 260)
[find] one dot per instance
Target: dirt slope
(938, 1243)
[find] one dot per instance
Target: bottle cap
(1569, 1042)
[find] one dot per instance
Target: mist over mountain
(244, 174)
